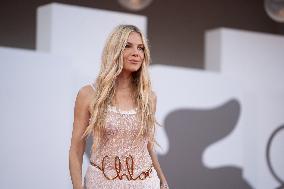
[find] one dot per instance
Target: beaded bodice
(117, 149)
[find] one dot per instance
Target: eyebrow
(138, 44)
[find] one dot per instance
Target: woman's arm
(156, 164)
(77, 147)
(154, 157)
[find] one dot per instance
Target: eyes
(139, 47)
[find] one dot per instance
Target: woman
(119, 112)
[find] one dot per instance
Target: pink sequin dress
(118, 163)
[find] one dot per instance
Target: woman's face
(133, 54)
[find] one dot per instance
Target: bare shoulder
(85, 95)
(86, 91)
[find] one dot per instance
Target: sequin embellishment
(118, 167)
(126, 164)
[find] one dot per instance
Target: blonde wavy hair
(111, 67)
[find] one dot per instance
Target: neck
(124, 81)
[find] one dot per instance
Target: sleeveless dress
(119, 162)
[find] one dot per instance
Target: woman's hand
(164, 186)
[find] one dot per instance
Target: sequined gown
(118, 163)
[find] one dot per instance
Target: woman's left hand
(164, 186)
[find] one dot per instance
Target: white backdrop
(256, 62)
(36, 108)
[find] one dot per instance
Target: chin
(132, 68)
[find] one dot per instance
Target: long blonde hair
(111, 67)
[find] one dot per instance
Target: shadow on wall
(190, 131)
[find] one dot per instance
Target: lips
(134, 61)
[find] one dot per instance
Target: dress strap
(93, 86)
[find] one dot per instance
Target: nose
(135, 52)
